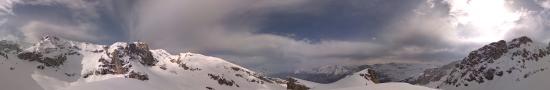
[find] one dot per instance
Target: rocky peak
(517, 42)
(51, 40)
(496, 60)
(487, 53)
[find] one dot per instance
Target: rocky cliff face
(496, 65)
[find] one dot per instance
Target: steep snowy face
(501, 65)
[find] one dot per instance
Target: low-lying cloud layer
(279, 35)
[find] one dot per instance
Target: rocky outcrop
(141, 50)
(7, 47)
(292, 84)
(115, 62)
(370, 75)
(479, 66)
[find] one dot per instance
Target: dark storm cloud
(81, 20)
(338, 19)
(305, 32)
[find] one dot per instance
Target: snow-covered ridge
(520, 64)
(59, 64)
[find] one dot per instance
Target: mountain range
(55, 63)
(60, 64)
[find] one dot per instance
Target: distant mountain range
(389, 72)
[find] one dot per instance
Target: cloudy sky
(281, 35)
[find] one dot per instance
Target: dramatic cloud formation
(279, 35)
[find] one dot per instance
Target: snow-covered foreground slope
(362, 80)
(57, 64)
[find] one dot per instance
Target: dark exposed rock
(293, 84)
(138, 76)
(500, 73)
(56, 61)
(142, 50)
(489, 74)
(114, 66)
(236, 68)
(70, 74)
(3, 54)
(47, 61)
(210, 88)
(370, 75)
(31, 56)
(7, 47)
(41, 67)
(163, 67)
(221, 80)
(517, 42)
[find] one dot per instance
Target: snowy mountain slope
(389, 72)
(55, 63)
(363, 80)
(520, 64)
(324, 74)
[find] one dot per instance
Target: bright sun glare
(487, 20)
